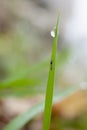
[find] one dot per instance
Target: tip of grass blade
(50, 83)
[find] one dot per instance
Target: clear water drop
(83, 85)
(53, 32)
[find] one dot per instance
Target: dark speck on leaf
(51, 63)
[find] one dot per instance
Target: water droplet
(83, 85)
(53, 33)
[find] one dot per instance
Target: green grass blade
(21, 120)
(50, 84)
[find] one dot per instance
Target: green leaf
(50, 84)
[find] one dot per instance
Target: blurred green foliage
(24, 78)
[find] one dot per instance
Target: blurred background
(25, 39)
(25, 45)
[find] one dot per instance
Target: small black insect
(51, 64)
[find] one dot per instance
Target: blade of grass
(50, 84)
(24, 118)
